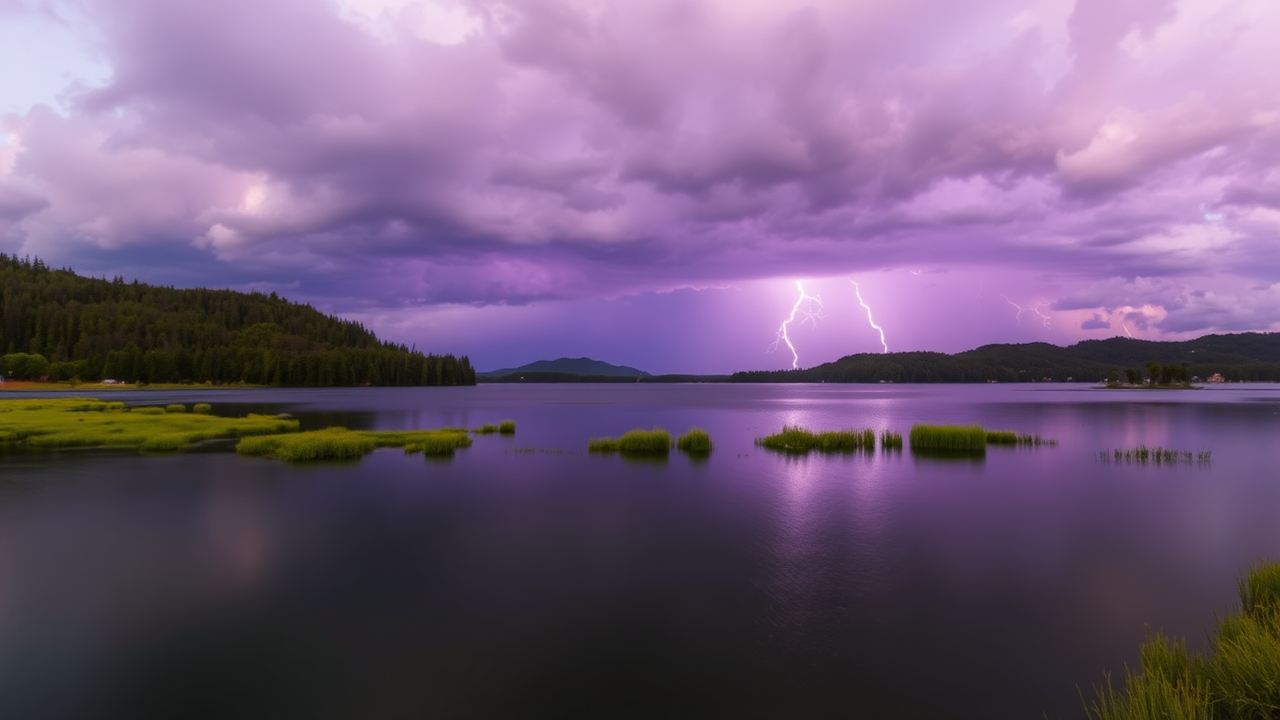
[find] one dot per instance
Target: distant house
(1217, 378)
(108, 381)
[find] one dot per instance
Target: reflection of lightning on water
(1044, 319)
(809, 315)
(873, 324)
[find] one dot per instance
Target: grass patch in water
(202, 408)
(486, 429)
(1009, 437)
(949, 438)
(890, 440)
(695, 442)
(335, 443)
(438, 445)
(175, 408)
(1239, 677)
(634, 442)
(1157, 455)
(797, 441)
(87, 422)
(507, 427)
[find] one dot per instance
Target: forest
(1248, 357)
(60, 326)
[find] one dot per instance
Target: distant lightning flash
(1126, 329)
(878, 329)
(1044, 319)
(809, 315)
(1017, 317)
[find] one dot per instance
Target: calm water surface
(526, 578)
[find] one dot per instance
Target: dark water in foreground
(553, 583)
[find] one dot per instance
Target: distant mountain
(1244, 356)
(570, 366)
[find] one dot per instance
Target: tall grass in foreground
(950, 438)
(1240, 677)
(85, 422)
(1009, 437)
(797, 441)
(1157, 455)
(695, 442)
(635, 442)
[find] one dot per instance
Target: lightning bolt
(808, 315)
(1017, 317)
(873, 324)
(1126, 329)
(1043, 318)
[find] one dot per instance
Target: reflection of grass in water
(635, 442)
(695, 442)
(798, 440)
(1156, 455)
(86, 422)
(1238, 678)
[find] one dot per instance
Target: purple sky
(645, 181)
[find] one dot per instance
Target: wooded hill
(59, 325)
(1250, 357)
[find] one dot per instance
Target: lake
(528, 578)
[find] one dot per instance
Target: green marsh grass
(1157, 455)
(798, 441)
(1009, 437)
(488, 429)
(949, 438)
(335, 443)
(202, 408)
(1239, 677)
(890, 440)
(86, 422)
(175, 408)
(695, 442)
(634, 442)
(507, 427)
(440, 445)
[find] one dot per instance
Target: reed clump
(695, 442)
(1156, 455)
(440, 445)
(175, 408)
(949, 438)
(797, 440)
(202, 408)
(1238, 678)
(634, 442)
(334, 443)
(890, 440)
(507, 427)
(1009, 437)
(86, 422)
(488, 429)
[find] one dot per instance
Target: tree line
(58, 325)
